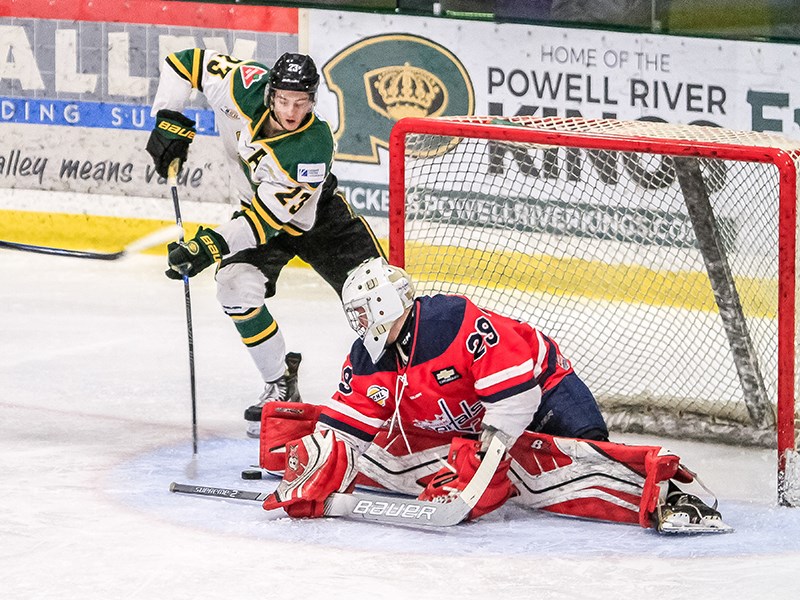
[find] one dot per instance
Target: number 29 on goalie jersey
(467, 368)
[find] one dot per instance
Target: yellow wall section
(588, 279)
(541, 273)
(79, 232)
(87, 232)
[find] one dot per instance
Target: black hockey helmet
(295, 72)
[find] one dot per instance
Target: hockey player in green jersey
(279, 155)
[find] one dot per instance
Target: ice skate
(685, 513)
(283, 389)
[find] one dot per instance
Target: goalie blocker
(579, 478)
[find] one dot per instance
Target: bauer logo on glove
(210, 245)
(177, 130)
(170, 139)
(189, 258)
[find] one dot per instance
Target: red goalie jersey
(454, 371)
(465, 366)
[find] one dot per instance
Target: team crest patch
(378, 394)
(311, 172)
(293, 460)
(251, 74)
(446, 375)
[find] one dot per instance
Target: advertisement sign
(423, 67)
(77, 81)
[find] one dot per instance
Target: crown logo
(405, 91)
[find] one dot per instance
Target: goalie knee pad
(280, 423)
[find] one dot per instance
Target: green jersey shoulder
(230, 83)
(287, 172)
(304, 155)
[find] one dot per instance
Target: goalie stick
(153, 239)
(385, 509)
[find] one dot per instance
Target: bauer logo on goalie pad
(447, 375)
(378, 394)
(311, 172)
(286, 409)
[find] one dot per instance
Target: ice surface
(95, 421)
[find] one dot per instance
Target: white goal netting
(649, 252)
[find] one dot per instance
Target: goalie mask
(374, 296)
(293, 72)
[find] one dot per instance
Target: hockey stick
(172, 180)
(152, 239)
(383, 508)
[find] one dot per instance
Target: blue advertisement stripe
(102, 115)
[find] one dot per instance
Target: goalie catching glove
(317, 465)
(170, 139)
(462, 463)
(189, 258)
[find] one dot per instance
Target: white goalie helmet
(374, 296)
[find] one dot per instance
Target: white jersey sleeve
(234, 106)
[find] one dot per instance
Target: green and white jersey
(278, 180)
(287, 172)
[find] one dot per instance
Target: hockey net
(660, 257)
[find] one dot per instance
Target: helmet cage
(358, 316)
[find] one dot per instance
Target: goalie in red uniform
(436, 377)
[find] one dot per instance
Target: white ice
(95, 422)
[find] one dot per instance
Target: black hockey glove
(189, 258)
(170, 139)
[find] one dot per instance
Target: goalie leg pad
(317, 465)
(588, 479)
(282, 422)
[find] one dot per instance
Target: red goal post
(661, 257)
